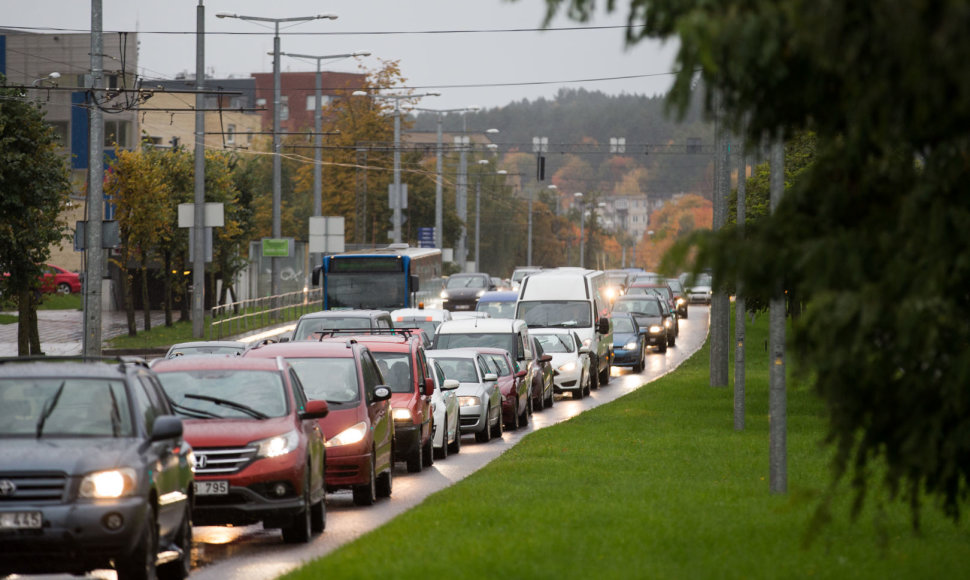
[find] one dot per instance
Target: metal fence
(237, 318)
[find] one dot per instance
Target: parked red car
(359, 428)
(405, 368)
(259, 451)
(57, 279)
(516, 402)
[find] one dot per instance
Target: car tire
(366, 494)
(455, 446)
(514, 424)
(594, 375)
(662, 347)
(581, 391)
(318, 516)
(586, 385)
(672, 341)
(385, 484)
(428, 452)
(63, 288)
(180, 569)
(604, 375)
(416, 459)
(524, 416)
(442, 452)
(638, 367)
(552, 398)
(300, 529)
(485, 435)
(539, 403)
(497, 428)
(140, 564)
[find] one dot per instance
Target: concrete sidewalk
(62, 331)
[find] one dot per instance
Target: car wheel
(366, 494)
(442, 452)
(455, 446)
(638, 367)
(485, 435)
(662, 347)
(539, 403)
(514, 424)
(318, 516)
(140, 564)
(604, 375)
(300, 529)
(552, 398)
(524, 415)
(416, 459)
(428, 459)
(180, 569)
(586, 385)
(385, 484)
(672, 341)
(63, 288)
(497, 428)
(594, 375)
(581, 391)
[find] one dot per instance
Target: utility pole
(94, 256)
(198, 229)
(777, 395)
(739, 306)
(720, 303)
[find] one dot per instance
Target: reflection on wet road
(250, 553)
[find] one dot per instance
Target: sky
(485, 53)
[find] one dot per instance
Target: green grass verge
(49, 302)
(158, 336)
(656, 485)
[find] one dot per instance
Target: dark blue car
(628, 342)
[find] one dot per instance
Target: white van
(572, 298)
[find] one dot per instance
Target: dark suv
(462, 291)
(311, 326)
(259, 452)
(93, 471)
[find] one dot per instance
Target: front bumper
(473, 418)
(625, 358)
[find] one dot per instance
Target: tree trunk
(167, 281)
(28, 335)
(145, 302)
(129, 295)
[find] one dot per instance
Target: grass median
(657, 484)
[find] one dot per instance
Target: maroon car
(516, 402)
(358, 428)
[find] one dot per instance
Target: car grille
(222, 460)
(32, 487)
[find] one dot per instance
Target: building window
(61, 132)
(284, 108)
(116, 132)
(230, 134)
(260, 102)
(311, 101)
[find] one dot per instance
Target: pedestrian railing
(237, 318)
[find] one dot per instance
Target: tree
(34, 189)
(876, 233)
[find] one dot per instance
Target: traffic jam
(166, 467)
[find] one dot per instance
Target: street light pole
(277, 160)
(582, 233)
(318, 127)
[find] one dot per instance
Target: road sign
(426, 237)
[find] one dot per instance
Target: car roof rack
(332, 332)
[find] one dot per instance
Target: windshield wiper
(46, 412)
(191, 412)
(115, 414)
(231, 404)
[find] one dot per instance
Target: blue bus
(398, 276)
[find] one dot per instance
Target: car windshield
(555, 342)
(64, 407)
(504, 340)
(641, 307)
(459, 369)
(465, 282)
(497, 309)
(622, 325)
(396, 368)
(306, 328)
(675, 285)
(333, 380)
(558, 313)
(500, 363)
(226, 393)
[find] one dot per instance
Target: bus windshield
(382, 291)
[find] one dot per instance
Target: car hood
(621, 338)
(561, 358)
(72, 456)
(231, 432)
(337, 421)
(470, 390)
(463, 292)
(646, 321)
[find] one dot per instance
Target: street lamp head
(578, 195)
(552, 186)
(226, 15)
(326, 16)
(502, 172)
(483, 162)
(360, 93)
(360, 54)
(492, 131)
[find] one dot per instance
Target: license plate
(461, 307)
(21, 520)
(211, 487)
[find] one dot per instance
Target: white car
(446, 430)
(570, 360)
(479, 397)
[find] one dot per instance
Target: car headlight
(444, 294)
(668, 323)
(568, 367)
(469, 401)
(279, 445)
(656, 329)
(401, 414)
(680, 301)
(349, 436)
(632, 345)
(110, 484)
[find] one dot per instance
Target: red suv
(405, 369)
(358, 429)
(259, 452)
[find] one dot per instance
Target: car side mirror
(315, 409)
(315, 277)
(521, 373)
(449, 385)
(603, 326)
(382, 393)
(584, 349)
(166, 427)
(546, 358)
(428, 386)
(490, 377)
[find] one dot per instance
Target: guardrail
(254, 314)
